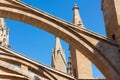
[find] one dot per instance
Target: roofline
(37, 63)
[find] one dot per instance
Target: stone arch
(19, 11)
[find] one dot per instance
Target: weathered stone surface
(58, 57)
(81, 66)
(102, 51)
(28, 67)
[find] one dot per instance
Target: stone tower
(111, 12)
(58, 57)
(81, 66)
(4, 34)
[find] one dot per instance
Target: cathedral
(79, 71)
(85, 47)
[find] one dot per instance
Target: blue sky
(38, 44)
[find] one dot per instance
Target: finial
(76, 18)
(75, 6)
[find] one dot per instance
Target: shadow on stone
(37, 78)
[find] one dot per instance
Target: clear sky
(38, 44)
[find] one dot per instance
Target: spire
(76, 18)
(58, 57)
(58, 44)
(4, 34)
(81, 66)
